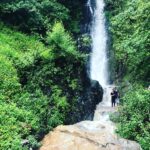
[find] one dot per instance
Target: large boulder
(85, 136)
(92, 95)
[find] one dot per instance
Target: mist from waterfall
(99, 61)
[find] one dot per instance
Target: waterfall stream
(99, 60)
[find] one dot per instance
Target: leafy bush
(129, 26)
(32, 15)
(8, 78)
(135, 116)
(39, 85)
(61, 40)
(15, 124)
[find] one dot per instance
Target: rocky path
(98, 134)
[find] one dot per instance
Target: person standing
(113, 97)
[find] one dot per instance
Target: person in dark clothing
(113, 97)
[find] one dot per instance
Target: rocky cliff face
(90, 95)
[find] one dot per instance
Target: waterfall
(99, 61)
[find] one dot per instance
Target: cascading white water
(99, 61)
(99, 46)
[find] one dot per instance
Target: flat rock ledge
(86, 135)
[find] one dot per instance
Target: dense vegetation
(135, 116)
(40, 83)
(32, 16)
(129, 27)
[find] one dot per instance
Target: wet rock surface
(92, 94)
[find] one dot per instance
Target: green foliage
(61, 41)
(114, 6)
(8, 78)
(115, 117)
(39, 85)
(32, 15)
(135, 116)
(86, 40)
(15, 123)
(19, 48)
(59, 108)
(38, 16)
(129, 25)
(33, 142)
(76, 9)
